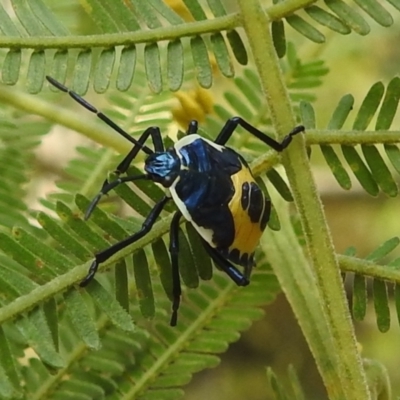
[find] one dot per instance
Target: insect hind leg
(233, 123)
(226, 266)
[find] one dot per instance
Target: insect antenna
(98, 113)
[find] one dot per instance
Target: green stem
(368, 268)
(350, 372)
(288, 7)
(352, 138)
(299, 284)
(170, 32)
(63, 282)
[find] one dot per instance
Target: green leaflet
(126, 69)
(376, 11)
(349, 16)
(110, 307)
(175, 65)
(144, 288)
(222, 55)
(201, 62)
(381, 305)
(104, 69)
(359, 297)
(153, 67)
(305, 28)
(327, 19)
(81, 319)
(82, 72)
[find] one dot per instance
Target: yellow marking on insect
(247, 233)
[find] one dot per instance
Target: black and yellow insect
(212, 187)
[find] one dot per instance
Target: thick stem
(350, 371)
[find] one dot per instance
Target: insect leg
(98, 113)
(192, 127)
(226, 266)
(108, 186)
(232, 124)
(115, 248)
(123, 166)
(154, 132)
(176, 280)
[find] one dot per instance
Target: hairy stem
(350, 372)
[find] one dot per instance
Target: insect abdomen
(250, 210)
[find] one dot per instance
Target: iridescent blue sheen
(196, 155)
(163, 167)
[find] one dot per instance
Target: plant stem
(368, 268)
(279, 10)
(352, 138)
(65, 281)
(351, 375)
(169, 32)
(299, 283)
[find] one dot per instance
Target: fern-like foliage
(126, 26)
(153, 361)
(112, 339)
(16, 164)
(373, 174)
(374, 267)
